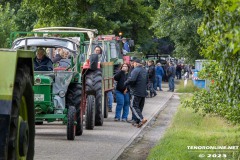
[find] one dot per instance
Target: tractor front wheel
(90, 112)
(71, 128)
(73, 98)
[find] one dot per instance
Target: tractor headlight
(61, 94)
(38, 81)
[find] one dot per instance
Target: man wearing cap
(138, 85)
(126, 47)
(42, 62)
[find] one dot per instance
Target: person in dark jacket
(179, 71)
(151, 78)
(42, 62)
(138, 85)
(122, 93)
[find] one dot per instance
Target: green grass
(191, 129)
(189, 88)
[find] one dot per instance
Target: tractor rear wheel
(94, 84)
(73, 98)
(71, 128)
(90, 112)
(22, 126)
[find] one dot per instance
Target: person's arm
(50, 65)
(132, 79)
(117, 76)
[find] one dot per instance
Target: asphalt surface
(152, 133)
(105, 142)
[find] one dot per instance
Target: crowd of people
(141, 80)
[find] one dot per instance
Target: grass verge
(189, 88)
(191, 129)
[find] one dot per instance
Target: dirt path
(155, 130)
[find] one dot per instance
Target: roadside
(152, 133)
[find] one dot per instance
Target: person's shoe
(169, 90)
(124, 120)
(154, 95)
(130, 121)
(160, 90)
(116, 119)
(135, 124)
(109, 109)
(142, 123)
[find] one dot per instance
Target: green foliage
(132, 18)
(7, 24)
(26, 18)
(179, 21)
(220, 36)
(189, 88)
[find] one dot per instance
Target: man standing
(159, 75)
(138, 85)
(151, 78)
(171, 71)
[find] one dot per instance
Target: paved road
(103, 143)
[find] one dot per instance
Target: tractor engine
(43, 94)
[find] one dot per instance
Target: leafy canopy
(179, 20)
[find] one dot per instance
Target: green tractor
(63, 94)
(17, 128)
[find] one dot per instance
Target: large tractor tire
(94, 83)
(73, 98)
(22, 126)
(71, 128)
(90, 112)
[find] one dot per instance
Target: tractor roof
(49, 42)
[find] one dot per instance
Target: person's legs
(120, 103)
(160, 82)
(135, 108)
(155, 85)
(126, 106)
(141, 105)
(171, 83)
(110, 100)
(152, 91)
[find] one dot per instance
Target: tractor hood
(40, 79)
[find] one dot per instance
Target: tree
(7, 24)
(178, 20)
(132, 18)
(220, 37)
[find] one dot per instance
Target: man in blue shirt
(126, 47)
(159, 74)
